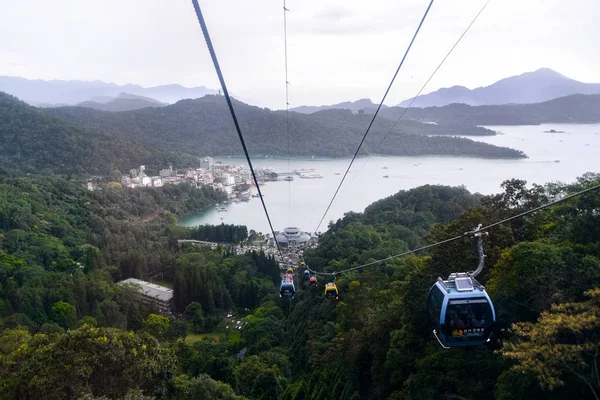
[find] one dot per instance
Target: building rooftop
(292, 233)
(158, 292)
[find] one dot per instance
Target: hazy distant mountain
(123, 102)
(576, 108)
(530, 87)
(40, 92)
(347, 105)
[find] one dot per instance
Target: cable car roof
(461, 284)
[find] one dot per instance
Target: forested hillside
(578, 108)
(36, 140)
(68, 332)
(203, 127)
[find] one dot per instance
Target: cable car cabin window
(434, 305)
(468, 319)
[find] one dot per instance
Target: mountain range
(576, 108)
(83, 141)
(355, 106)
(528, 88)
(59, 92)
(77, 139)
(203, 126)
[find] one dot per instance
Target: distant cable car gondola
(331, 291)
(306, 274)
(460, 310)
(287, 289)
(313, 281)
(290, 270)
(289, 277)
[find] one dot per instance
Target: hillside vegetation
(68, 332)
(36, 140)
(203, 127)
(580, 109)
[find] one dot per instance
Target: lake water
(302, 202)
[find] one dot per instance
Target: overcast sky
(338, 50)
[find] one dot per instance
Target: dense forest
(67, 331)
(224, 233)
(203, 126)
(35, 141)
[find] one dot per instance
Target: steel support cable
(213, 55)
(423, 87)
(376, 112)
(478, 230)
(287, 109)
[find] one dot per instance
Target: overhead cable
(287, 108)
(423, 87)
(375, 115)
(434, 72)
(452, 239)
(233, 115)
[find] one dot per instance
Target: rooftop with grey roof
(152, 290)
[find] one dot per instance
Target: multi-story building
(292, 237)
(207, 163)
(167, 172)
(150, 293)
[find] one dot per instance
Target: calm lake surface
(302, 202)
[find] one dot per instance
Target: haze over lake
(302, 202)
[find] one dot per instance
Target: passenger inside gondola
(473, 314)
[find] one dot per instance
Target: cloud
(335, 12)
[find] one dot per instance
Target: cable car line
(422, 88)
(233, 115)
(433, 73)
(287, 108)
(474, 232)
(376, 112)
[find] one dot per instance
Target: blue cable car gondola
(460, 310)
(287, 289)
(306, 274)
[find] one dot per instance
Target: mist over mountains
(123, 102)
(59, 92)
(528, 88)
(357, 105)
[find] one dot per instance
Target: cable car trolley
(331, 291)
(287, 289)
(459, 308)
(306, 274)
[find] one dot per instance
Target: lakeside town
(235, 180)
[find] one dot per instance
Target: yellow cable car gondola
(331, 291)
(290, 270)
